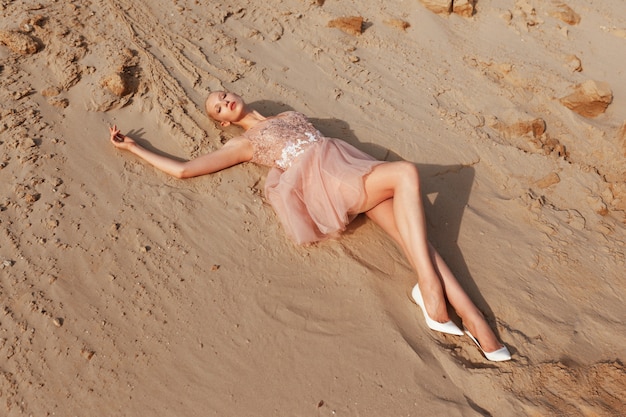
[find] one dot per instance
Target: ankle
(484, 334)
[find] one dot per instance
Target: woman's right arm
(235, 151)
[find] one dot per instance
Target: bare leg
(383, 214)
(398, 182)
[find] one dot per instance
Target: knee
(408, 173)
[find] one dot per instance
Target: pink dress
(316, 184)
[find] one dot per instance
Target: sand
(124, 292)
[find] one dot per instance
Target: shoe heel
(499, 355)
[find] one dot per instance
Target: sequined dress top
(279, 140)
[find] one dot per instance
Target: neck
(250, 119)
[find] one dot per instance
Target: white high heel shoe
(448, 327)
(499, 355)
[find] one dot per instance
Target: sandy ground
(124, 292)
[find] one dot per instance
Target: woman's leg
(399, 183)
(383, 215)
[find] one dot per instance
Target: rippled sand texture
(124, 292)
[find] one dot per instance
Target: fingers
(116, 135)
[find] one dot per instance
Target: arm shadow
(138, 135)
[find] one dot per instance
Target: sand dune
(128, 293)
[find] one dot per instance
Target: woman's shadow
(451, 185)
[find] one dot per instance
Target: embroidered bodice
(278, 140)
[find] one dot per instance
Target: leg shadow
(446, 190)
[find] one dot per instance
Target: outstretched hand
(120, 140)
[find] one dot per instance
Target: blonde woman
(317, 185)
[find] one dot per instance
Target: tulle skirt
(321, 192)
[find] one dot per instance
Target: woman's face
(224, 107)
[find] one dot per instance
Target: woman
(317, 185)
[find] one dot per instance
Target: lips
(232, 105)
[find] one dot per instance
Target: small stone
(520, 127)
(598, 205)
(50, 92)
(19, 42)
(397, 23)
(215, 267)
(58, 322)
(114, 228)
(507, 16)
(574, 63)
(438, 6)
(589, 99)
(119, 84)
(37, 20)
(31, 197)
(61, 103)
(551, 145)
(566, 14)
(27, 143)
(352, 25)
(87, 353)
(7, 263)
(548, 180)
(463, 8)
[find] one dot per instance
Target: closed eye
(218, 108)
